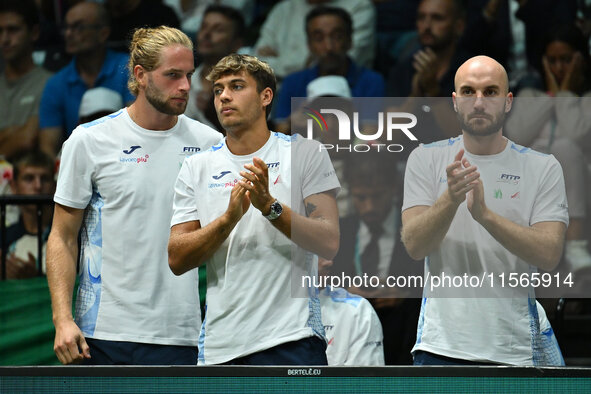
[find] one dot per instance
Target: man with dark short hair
(371, 245)
(259, 208)
(34, 174)
(221, 32)
(329, 31)
(21, 82)
(429, 71)
(282, 37)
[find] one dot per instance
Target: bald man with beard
(480, 204)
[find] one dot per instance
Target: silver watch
(276, 210)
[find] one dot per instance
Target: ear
(454, 98)
(266, 96)
(140, 75)
(508, 102)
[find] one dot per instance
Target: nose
(424, 24)
(329, 44)
(560, 68)
(68, 33)
(225, 95)
(185, 84)
(37, 184)
(479, 100)
(203, 34)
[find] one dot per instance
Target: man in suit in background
(370, 244)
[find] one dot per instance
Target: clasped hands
(464, 183)
(253, 189)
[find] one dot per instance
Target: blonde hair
(232, 64)
(146, 47)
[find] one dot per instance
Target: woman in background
(558, 121)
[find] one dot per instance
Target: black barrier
(244, 379)
(283, 371)
(39, 201)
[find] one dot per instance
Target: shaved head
(479, 68)
(481, 97)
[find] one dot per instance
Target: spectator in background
(49, 49)
(128, 15)
(98, 102)
(221, 34)
(192, 12)
(21, 82)
(33, 175)
(370, 244)
(329, 32)
(557, 121)
(510, 31)
(429, 72)
(86, 32)
(282, 39)
(353, 329)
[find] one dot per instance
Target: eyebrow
(232, 81)
(486, 87)
(176, 70)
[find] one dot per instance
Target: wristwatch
(276, 210)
